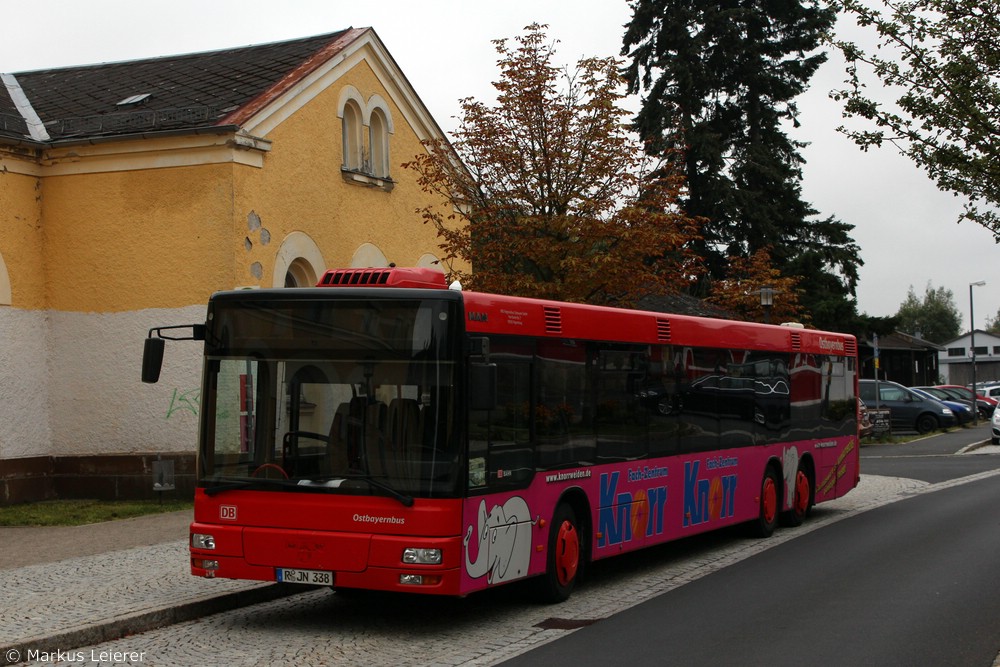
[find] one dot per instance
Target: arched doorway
(299, 262)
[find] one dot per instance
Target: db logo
(227, 512)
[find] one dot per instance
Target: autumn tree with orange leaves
(548, 194)
(739, 292)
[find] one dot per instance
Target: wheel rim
(801, 493)
(567, 553)
(769, 500)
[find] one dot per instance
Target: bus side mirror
(482, 386)
(152, 359)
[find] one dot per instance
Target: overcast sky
(905, 227)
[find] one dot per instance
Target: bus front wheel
(563, 557)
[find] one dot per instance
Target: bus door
(501, 451)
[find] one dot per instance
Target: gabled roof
(172, 93)
(981, 337)
(899, 340)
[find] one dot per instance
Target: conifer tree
(719, 79)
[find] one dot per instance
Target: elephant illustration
(504, 537)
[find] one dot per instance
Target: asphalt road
(912, 583)
(934, 459)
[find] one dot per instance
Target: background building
(955, 359)
(906, 359)
(131, 191)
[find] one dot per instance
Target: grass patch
(895, 439)
(82, 512)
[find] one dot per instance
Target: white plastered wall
(24, 384)
(99, 405)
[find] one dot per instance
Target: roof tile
(185, 91)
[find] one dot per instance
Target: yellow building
(131, 191)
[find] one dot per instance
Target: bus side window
(772, 398)
(621, 418)
(660, 398)
(500, 450)
(563, 414)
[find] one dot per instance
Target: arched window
(298, 262)
(353, 142)
(378, 139)
(300, 274)
(368, 255)
(367, 127)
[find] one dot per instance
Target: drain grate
(565, 623)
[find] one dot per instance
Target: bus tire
(801, 501)
(767, 515)
(562, 560)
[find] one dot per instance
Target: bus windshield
(334, 396)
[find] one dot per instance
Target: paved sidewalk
(64, 588)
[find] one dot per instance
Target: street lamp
(972, 341)
(766, 302)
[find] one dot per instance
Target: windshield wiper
(406, 500)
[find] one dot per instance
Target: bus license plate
(316, 577)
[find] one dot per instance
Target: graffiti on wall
(184, 401)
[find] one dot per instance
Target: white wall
(24, 384)
(70, 384)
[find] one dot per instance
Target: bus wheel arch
(567, 538)
(803, 494)
(768, 501)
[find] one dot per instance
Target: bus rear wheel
(563, 558)
(801, 502)
(767, 517)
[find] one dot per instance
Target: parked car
(990, 391)
(986, 404)
(995, 426)
(961, 409)
(945, 395)
(908, 410)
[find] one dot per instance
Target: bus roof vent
(662, 330)
(553, 319)
(391, 277)
(851, 347)
(796, 341)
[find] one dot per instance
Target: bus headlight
(413, 556)
(202, 541)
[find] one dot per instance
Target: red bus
(381, 431)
